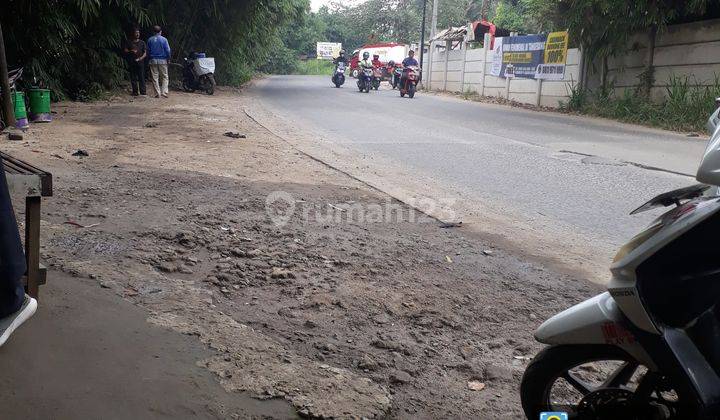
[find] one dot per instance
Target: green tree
(603, 27)
(510, 15)
(74, 45)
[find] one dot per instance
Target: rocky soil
(355, 307)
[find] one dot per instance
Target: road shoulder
(88, 354)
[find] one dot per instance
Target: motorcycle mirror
(714, 120)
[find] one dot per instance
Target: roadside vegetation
(74, 46)
(314, 67)
(685, 106)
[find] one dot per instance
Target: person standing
(159, 51)
(15, 306)
(135, 53)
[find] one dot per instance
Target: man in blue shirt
(159, 52)
(410, 61)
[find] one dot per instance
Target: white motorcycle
(199, 74)
(649, 347)
(338, 77)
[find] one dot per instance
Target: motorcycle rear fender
(596, 321)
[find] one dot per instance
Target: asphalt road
(586, 174)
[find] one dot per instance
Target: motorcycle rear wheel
(613, 398)
(208, 84)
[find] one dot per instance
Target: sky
(316, 4)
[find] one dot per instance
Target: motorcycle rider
(341, 58)
(365, 63)
(410, 61)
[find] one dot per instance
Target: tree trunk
(582, 72)
(603, 71)
(7, 105)
(648, 76)
(484, 10)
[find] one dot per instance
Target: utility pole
(431, 48)
(7, 105)
(422, 39)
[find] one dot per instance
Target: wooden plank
(25, 185)
(32, 244)
(43, 277)
(16, 167)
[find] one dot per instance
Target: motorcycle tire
(210, 88)
(411, 91)
(552, 363)
(187, 88)
(355, 73)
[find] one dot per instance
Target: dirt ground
(355, 307)
(88, 355)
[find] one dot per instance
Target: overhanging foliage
(74, 45)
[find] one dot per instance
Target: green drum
(39, 105)
(18, 99)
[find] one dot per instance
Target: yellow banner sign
(518, 57)
(556, 48)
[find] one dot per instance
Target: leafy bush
(74, 47)
(578, 98)
(282, 60)
(685, 107)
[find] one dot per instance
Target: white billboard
(328, 50)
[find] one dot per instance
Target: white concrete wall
(687, 50)
(468, 71)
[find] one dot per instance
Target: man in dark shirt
(135, 53)
(341, 58)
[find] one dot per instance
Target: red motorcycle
(395, 72)
(408, 84)
(377, 77)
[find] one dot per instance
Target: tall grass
(315, 67)
(685, 107)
